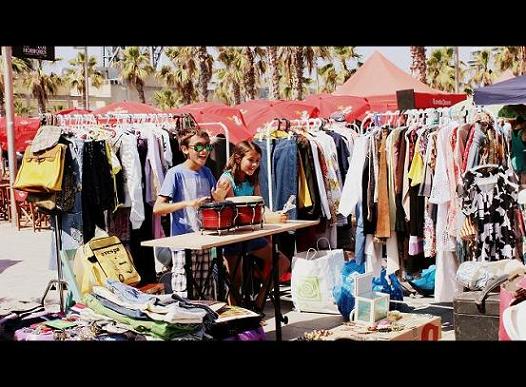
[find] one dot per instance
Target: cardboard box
(414, 327)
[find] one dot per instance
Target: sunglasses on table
(201, 147)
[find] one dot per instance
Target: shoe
(407, 288)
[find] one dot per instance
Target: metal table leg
(220, 275)
(275, 278)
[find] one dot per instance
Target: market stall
(378, 81)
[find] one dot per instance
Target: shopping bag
(315, 275)
(512, 292)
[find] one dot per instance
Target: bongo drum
(250, 210)
(217, 216)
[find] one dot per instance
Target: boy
(185, 187)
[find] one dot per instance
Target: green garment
(518, 156)
(163, 330)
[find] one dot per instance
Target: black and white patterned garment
(490, 199)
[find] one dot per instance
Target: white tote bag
(315, 273)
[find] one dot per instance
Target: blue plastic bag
(427, 279)
(343, 294)
(394, 289)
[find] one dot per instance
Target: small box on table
(369, 306)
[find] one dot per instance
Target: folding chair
(25, 211)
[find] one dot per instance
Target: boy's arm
(163, 207)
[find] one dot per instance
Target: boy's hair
(184, 136)
(240, 151)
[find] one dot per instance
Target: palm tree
(330, 78)
(232, 74)
(298, 80)
(183, 75)
(285, 84)
(293, 60)
(312, 54)
(166, 99)
(135, 67)
(75, 76)
(249, 81)
(508, 57)
(522, 59)
(274, 74)
(480, 65)
(20, 67)
(345, 54)
(206, 62)
(260, 65)
(418, 63)
(41, 85)
(22, 108)
(441, 69)
(255, 67)
(222, 92)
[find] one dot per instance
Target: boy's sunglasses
(202, 147)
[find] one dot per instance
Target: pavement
(24, 275)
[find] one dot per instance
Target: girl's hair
(240, 151)
(185, 135)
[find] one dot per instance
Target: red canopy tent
(209, 112)
(25, 130)
(353, 107)
(127, 107)
(66, 112)
(259, 112)
(378, 80)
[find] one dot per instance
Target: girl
(241, 178)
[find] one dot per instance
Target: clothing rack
(270, 127)
(59, 282)
(119, 118)
(413, 114)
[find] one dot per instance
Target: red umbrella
(66, 112)
(353, 107)
(127, 108)
(210, 112)
(25, 130)
(259, 112)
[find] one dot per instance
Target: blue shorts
(249, 246)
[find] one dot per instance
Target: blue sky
(398, 55)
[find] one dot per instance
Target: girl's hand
(221, 190)
(275, 217)
(283, 218)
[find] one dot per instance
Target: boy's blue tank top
(243, 189)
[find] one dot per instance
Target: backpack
(103, 258)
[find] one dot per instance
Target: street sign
(34, 52)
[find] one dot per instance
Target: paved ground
(24, 274)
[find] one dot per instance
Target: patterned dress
(490, 199)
